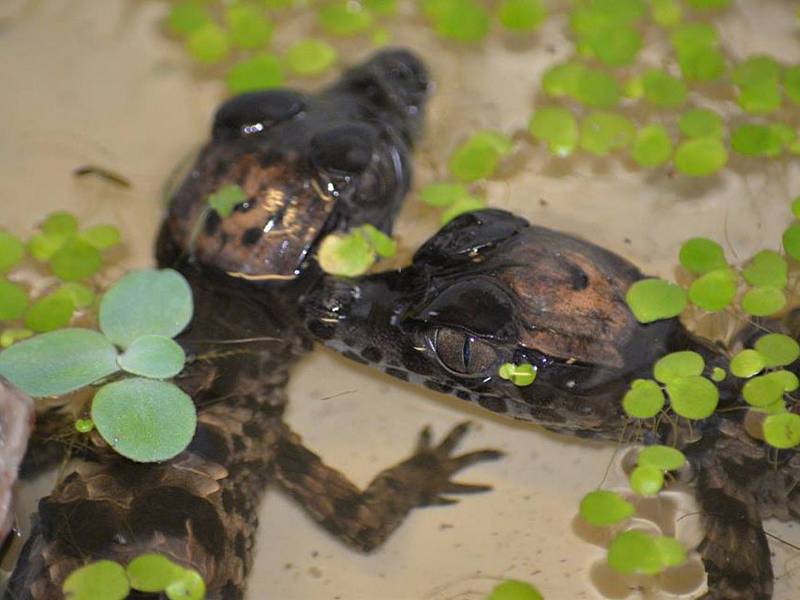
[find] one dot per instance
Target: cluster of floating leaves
(71, 255)
(759, 284)
(520, 375)
(149, 573)
(143, 418)
(353, 253)
(633, 552)
(594, 98)
(239, 35)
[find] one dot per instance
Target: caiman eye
(463, 354)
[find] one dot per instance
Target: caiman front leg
(735, 551)
(364, 519)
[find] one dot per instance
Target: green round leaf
(13, 301)
(153, 356)
(60, 223)
(146, 302)
(187, 16)
(670, 550)
(556, 127)
(700, 122)
(190, 586)
(226, 198)
(344, 18)
(208, 44)
(718, 374)
(521, 15)
(634, 552)
(762, 301)
(144, 420)
(663, 90)
(616, 46)
(693, 36)
(310, 57)
(101, 580)
(80, 295)
(700, 255)
(643, 400)
(777, 349)
(762, 391)
(652, 146)
(442, 194)
(654, 299)
(700, 157)
(49, 312)
(84, 425)
(58, 362)
(152, 572)
(604, 508)
(478, 156)
(760, 98)
(747, 363)
(75, 260)
(756, 140)
(708, 4)
(259, 72)
(693, 397)
(754, 70)
(459, 20)
(646, 480)
(11, 251)
(603, 132)
(701, 64)
(766, 268)
(563, 79)
(101, 236)
(666, 13)
(461, 206)
(714, 291)
(661, 457)
(346, 255)
(788, 380)
(248, 27)
(791, 241)
(42, 246)
(782, 430)
(384, 246)
(514, 590)
(597, 89)
(796, 207)
(677, 365)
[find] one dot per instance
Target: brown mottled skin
(308, 165)
(490, 288)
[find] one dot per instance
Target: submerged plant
(143, 418)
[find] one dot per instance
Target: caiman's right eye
(463, 354)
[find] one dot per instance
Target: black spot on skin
(346, 507)
(212, 222)
(372, 354)
(463, 394)
(96, 523)
(230, 591)
(493, 404)
(252, 430)
(293, 462)
(578, 279)
(208, 443)
(355, 357)
(251, 236)
(397, 373)
(323, 331)
(437, 387)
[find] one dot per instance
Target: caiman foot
(364, 519)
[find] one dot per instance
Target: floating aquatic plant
(143, 418)
(512, 589)
(352, 254)
(520, 375)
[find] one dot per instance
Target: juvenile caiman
(308, 165)
(490, 288)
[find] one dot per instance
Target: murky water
(96, 82)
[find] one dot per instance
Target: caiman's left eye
(463, 354)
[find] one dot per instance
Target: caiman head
(488, 289)
(305, 164)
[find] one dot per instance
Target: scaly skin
(490, 288)
(309, 165)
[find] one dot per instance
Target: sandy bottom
(95, 82)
